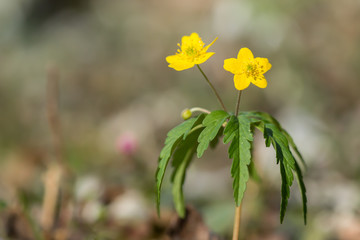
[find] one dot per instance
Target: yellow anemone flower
(247, 69)
(191, 52)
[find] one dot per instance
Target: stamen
(252, 70)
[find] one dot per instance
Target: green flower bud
(186, 114)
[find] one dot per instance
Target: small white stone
(88, 187)
(129, 206)
(91, 211)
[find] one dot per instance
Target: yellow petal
(241, 81)
(178, 63)
(173, 58)
(185, 41)
(203, 57)
(181, 65)
(232, 65)
(263, 64)
(245, 55)
(207, 47)
(259, 81)
(194, 36)
(191, 41)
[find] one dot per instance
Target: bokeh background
(118, 98)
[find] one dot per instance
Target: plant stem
(213, 88)
(236, 223)
(199, 109)
(238, 103)
(238, 208)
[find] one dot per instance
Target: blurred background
(117, 100)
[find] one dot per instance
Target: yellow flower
(191, 52)
(247, 69)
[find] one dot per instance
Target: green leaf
(274, 134)
(196, 125)
(286, 160)
(213, 123)
(238, 131)
(301, 183)
(285, 184)
(174, 137)
(181, 160)
(252, 169)
(215, 141)
(287, 135)
(270, 119)
(292, 144)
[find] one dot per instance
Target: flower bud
(186, 114)
(127, 144)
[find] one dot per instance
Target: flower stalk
(212, 87)
(199, 109)
(238, 103)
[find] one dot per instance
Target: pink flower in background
(126, 143)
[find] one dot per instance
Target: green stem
(199, 109)
(238, 208)
(238, 103)
(195, 128)
(213, 88)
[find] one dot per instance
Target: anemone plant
(197, 133)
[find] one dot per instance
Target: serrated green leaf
(215, 141)
(293, 145)
(252, 169)
(274, 134)
(302, 187)
(174, 137)
(213, 123)
(181, 160)
(238, 131)
(230, 130)
(287, 135)
(285, 189)
(270, 119)
(286, 160)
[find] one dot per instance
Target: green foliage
(239, 133)
(286, 160)
(196, 134)
(212, 122)
(181, 160)
(276, 136)
(301, 183)
(174, 137)
(267, 118)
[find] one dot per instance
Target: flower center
(252, 70)
(191, 51)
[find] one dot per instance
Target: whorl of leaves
(196, 134)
